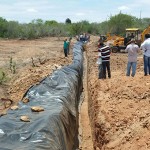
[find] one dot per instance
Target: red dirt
(119, 107)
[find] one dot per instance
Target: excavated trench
(95, 130)
(85, 134)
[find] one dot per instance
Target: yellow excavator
(146, 31)
(109, 37)
(120, 43)
(112, 37)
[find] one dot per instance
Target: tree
(68, 21)
(13, 29)
(37, 21)
(3, 27)
(76, 28)
(51, 22)
(118, 23)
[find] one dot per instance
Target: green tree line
(38, 28)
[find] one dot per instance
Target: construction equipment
(119, 45)
(146, 31)
(112, 37)
(108, 37)
(103, 38)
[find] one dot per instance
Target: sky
(24, 11)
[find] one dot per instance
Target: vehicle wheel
(115, 49)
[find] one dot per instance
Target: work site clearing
(118, 108)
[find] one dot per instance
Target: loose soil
(118, 108)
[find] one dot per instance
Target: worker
(69, 41)
(100, 66)
(105, 55)
(65, 47)
(132, 50)
(81, 37)
(132, 36)
(99, 62)
(145, 46)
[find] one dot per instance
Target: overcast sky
(25, 11)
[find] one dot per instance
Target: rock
(37, 108)
(25, 118)
(25, 100)
(7, 104)
(14, 107)
(4, 112)
(147, 84)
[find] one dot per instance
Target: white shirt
(132, 50)
(145, 46)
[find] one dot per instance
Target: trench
(97, 126)
(85, 133)
(93, 132)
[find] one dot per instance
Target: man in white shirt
(145, 46)
(132, 50)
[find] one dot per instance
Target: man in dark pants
(105, 55)
(65, 47)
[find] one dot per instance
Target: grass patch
(3, 77)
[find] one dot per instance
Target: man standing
(145, 46)
(65, 47)
(105, 55)
(132, 50)
(69, 42)
(100, 66)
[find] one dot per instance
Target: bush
(2, 76)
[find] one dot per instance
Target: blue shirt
(65, 45)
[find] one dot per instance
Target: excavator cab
(132, 33)
(120, 43)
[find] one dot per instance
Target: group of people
(67, 46)
(132, 49)
(83, 37)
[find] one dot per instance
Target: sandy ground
(118, 108)
(33, 59)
